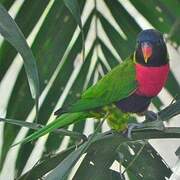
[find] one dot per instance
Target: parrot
(125, 90)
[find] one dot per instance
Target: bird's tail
(63, 120)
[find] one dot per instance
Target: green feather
(60, 122)
(117, 84)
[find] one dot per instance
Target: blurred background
(110, 30)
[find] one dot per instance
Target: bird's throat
(150, 79)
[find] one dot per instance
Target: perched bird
(130, 86)
(126, 89)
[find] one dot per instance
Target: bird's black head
(151, 49)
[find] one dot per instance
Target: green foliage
(12, 34)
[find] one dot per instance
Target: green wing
(115, 85)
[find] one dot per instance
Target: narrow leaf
(46, 164)
(48, 51)
(96, 173)
(73, 7)
(35, 126)
(20, 102)
(62, 121)
(11, 32)
(63, 169)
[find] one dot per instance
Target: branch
(112, 140)
(151, 132)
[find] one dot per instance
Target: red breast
(150, 79)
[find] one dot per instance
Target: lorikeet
(128, 88)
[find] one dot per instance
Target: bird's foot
(131, 126)
(151, 116)
(158, 125)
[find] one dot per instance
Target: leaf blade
(73, 7)
(13, 34)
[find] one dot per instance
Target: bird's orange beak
(146, 50)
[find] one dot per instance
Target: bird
(127, 89)
(141, 77)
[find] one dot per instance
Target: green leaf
(73, 95)
(60, 122)
(128, 24)
(20, 102)
(27, 17)
(172, 84)
(100, 153)
(53, 141)
(155, 168)
(49, 47)
(108, 55)
(103, 156)
(12, 33)
(170, 111)
(115, 138)
(7, 3)
(157, 102)
(21, 123)
(63, 169)
(46, 164)
(161, 14)
(50, 52)
(36, 126)
(120, 44)
(73, 7)
(93, 172)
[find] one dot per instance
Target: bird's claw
(128, 133)
(158, 124)
(151, 116)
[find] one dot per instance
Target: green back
(115, 85)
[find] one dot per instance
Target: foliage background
(110, 28)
